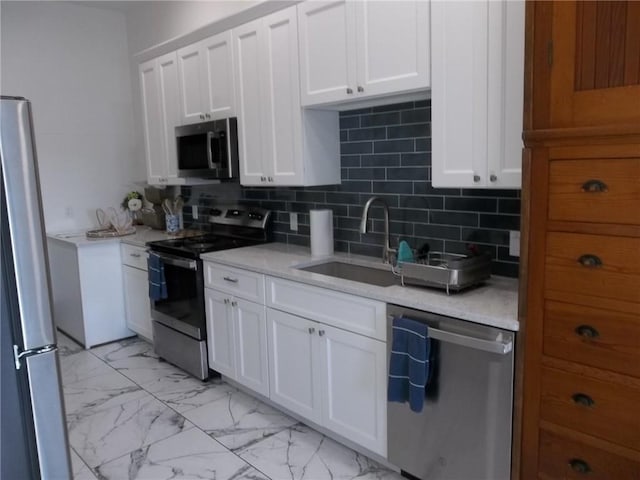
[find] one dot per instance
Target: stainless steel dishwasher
(464, 430)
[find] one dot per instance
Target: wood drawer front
(236, 281)
(570, 201)
(599, 338)
(560, 457)
(134, 256)
(610, 417)
(617, 277)
(349, 312)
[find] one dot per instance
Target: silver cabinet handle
(349, 91)
(476, 178)
(226, 301)
(270, 179)
(207, 115)
(321, 333)
(360, 89)
(135, 255)
(234, 303)
(230, 279)
(493, 178)
(263, 179)
(311, 330)
(201, 117)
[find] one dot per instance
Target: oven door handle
(176, 261)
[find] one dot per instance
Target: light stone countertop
(495, 303)
(143, 235)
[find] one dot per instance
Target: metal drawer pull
(587, 331)
(226, 301)
(135, 255)
(590, 261)
(583, 399)
(349, 91)
(321, 333)
(579, 466)
(234, 304)
(311, 330)
(476, 178)
(594, 186)
(230, 279)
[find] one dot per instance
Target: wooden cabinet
(581, 382)
(160, 115)
(477, 56)
(332, 377)
(136, 290)
(357, 50)
(236, 327)
(279, 143)
(206, 79)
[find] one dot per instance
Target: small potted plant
(133, 204)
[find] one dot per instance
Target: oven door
(183, 309)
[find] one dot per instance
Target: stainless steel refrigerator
(33, 439)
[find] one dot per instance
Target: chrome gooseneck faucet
(386, 248)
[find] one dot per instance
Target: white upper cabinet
(160, 115)
(206, 79)
(477, 93)
(353, 49)
(279, 144)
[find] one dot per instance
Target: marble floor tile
(238, 420)
(191, 454)
(301, 453)
(79, 470)
(183, 392)
(99, 392)
(67, 346)
(81, 366)
(136, 359)
(102, 435)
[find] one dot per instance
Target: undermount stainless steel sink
(381, 277)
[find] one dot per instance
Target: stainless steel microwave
(208, 150)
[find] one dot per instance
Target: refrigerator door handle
(18, 355)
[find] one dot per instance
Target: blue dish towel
(157, 282)
(409, 362)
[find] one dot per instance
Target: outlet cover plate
(514, 243)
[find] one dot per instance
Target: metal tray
(449, 271)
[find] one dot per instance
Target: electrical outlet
(514, 243)
(194, 212)
(293, 221)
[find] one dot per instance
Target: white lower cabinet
(237, 339)
(136, 290)
(332, 377)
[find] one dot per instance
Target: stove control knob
(255, 215)
(216, 212)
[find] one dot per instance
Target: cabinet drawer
(600, 338)
(238, 282)
(134, 256)
(598, 408)
(350, 312)
(561, 457)
(593, 265)
(599, 191)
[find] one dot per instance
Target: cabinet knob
(201, 117)
(594, 186)
(263, 179)
(493, 178)
(207, 115)
(311, 330)
(476, 178)
(590, 261)
(226, 301)
(234, 304)
(270, 179)
(587, 331)
(321, 333)
(583, 399)
(349, 91)
(579, 466)
(360, 89)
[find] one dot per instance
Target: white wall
(72, 62)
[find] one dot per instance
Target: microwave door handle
(210, 137)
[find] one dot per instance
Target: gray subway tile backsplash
(386, 151)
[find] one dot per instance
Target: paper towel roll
(321, 232)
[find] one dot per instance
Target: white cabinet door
(217, 76)
(136, 301)
(192, 86)
(293, 363)
(477, 93)
(250, 92)
(252, 365)
(354, 387)
(220, 336)
(169, 99)
(392, 46)
(327, 51)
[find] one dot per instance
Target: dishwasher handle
(500, 345)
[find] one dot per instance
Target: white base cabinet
(334, 378)
(136, 290)
(477, 93)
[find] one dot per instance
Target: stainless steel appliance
(208, 150)
(464, 429)
(33, 435)
(179, 323)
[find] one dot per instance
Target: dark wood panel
(632, 45)
(596, 337)
(616, 47)
(603, 44)
(585, 45)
